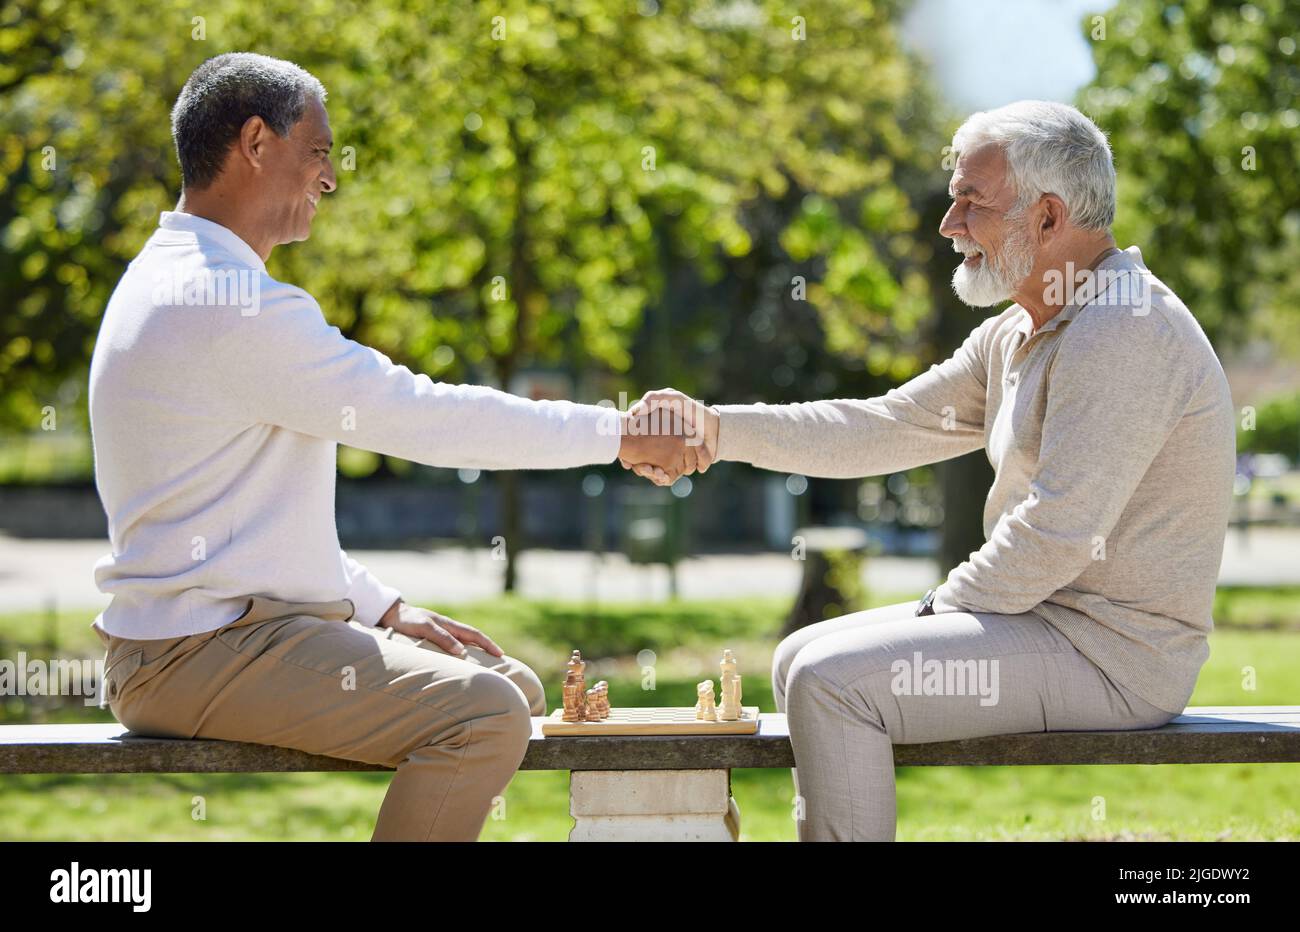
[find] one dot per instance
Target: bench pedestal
(653, 805)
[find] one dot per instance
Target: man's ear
(253, 140)
(1051, 217)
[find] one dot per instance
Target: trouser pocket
(118, 670)
(129, 664)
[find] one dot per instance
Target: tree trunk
(523, 285)
(512, 524)
(832, 576)
(965, 481)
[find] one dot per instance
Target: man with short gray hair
(218, 396)
(1109, 424)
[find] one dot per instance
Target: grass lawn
(1257, 644)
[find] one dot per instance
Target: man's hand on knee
(445, 633)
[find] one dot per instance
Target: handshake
(667, 435)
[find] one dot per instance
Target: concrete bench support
(653, 805)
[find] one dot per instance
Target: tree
(1199, 102)
(581, 157)
(518, 183)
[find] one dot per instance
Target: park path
(34, 571)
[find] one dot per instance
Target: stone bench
(678, 787)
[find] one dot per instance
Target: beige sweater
(1111, 432)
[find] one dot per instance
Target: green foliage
(1191, 802)
(1276, 429)
(1254, 607)
(844, 578)
(517, 181)
(1199, 101)
(47, 457)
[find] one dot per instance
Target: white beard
(995, 280)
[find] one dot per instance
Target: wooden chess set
(588, 712)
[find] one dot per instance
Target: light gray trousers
(854, 686)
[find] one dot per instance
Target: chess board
(652, 720)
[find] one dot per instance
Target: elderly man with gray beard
(1109, 424)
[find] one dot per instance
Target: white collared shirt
(218, 397)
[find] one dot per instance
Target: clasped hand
(667, 435)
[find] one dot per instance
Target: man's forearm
(386, 620)
(843, 439)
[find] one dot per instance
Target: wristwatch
(926, 605)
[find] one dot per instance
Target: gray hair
(218, 100)
(1051, 148)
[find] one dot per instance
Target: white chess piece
(705, 709)
(730, 711)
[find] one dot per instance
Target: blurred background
(591, 199)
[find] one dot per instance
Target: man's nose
(953, 223)
(327, 177)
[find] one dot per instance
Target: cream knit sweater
(1111, 432)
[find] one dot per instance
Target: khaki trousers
(301, 675)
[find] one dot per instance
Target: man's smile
(967, 247)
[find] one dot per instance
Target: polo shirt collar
(1130, 258)
(200, 230)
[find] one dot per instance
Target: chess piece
(602, 701)
(575, 690)
(730, 711)
(598, 702)
(705, 709)
(574, 699)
